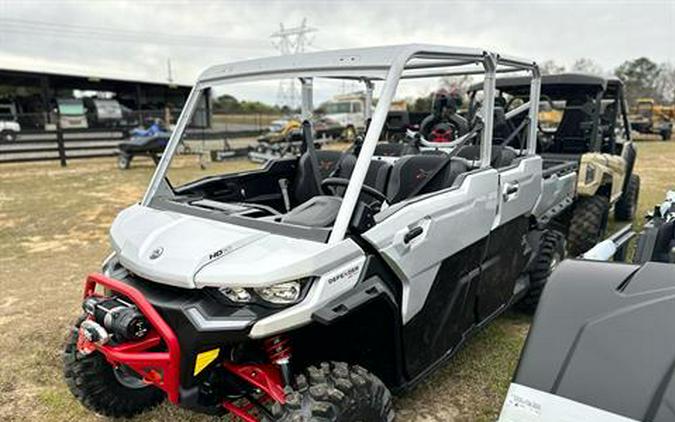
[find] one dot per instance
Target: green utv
(584, 119)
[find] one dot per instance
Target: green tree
(640, 78)
(226, 103)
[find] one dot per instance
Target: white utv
(310, 289)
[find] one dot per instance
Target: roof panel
(371, 62)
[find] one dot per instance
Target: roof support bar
(367, 149)
(307, 98)
(170, 150)
(368, 111)
(535, 92)
(490, 64)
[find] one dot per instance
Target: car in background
(347, 111)
(71, 112)
(9, 127)
(103, 112)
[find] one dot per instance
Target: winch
(114, 315)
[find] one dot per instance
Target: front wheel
(113, 392)
(336, 392)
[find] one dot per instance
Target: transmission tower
(291, 41)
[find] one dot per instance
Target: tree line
(642, 78)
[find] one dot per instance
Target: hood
(191, 252)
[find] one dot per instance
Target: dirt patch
(53, 231)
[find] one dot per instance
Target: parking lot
(53, 231)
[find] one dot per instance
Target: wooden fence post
(59, 139)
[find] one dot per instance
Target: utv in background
(593, 131)
(601, 344)
(651, 118)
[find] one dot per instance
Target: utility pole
(168, 69)
(291, 41)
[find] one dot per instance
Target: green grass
(53, 231)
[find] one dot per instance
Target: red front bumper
(160, 368)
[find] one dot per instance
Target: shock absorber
(278, 350)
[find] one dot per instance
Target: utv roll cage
(389, 65)
(582, 87)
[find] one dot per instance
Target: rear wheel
(626, 206)
(551, 253)
(666, 134)
(588, 224)
(336, 392)
(7, 136)
(114, 392)
(123, 161)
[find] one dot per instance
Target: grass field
(53, 231)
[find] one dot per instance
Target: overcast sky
(197, 34)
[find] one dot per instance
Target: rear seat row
(396, 181)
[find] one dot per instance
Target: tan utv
(590, 128)
(650, 118)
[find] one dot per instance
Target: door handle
(413, 233)
(510, 190)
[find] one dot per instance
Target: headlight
(236, 294)
(282, 294)
(286, 293)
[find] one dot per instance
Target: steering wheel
(339, 181)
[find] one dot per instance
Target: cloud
(607, 32)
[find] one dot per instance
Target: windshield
(260, 153)
(6, 112)
(337, 108)
(71, 108)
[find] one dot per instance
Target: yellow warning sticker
(204, 359)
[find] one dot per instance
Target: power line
(292, 40)
(117, 33)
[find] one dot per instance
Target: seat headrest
(408, 172)
(500, 156)
(394, 149)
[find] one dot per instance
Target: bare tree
(585, 65)
(460, 84)
(665, 82)
(550, 67)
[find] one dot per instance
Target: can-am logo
(156, 253)
(344, 274)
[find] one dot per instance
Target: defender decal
(345, 274)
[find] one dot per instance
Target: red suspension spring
(278, 349)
